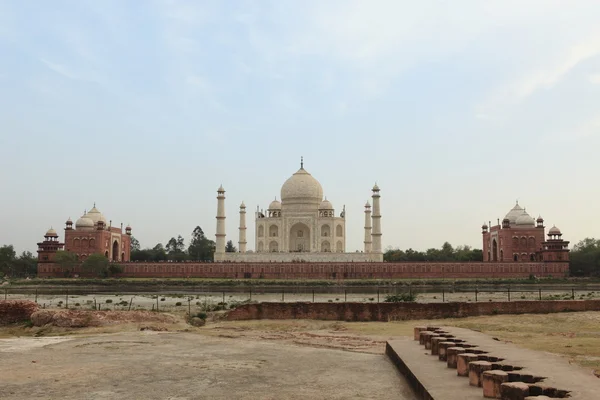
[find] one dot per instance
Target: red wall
(329, 270)
(385, 312)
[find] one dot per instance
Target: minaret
(242, 242)
(220, 235)
(376, 233)
(368, 240)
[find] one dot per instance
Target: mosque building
(92, 234)
(520, 238)
(303, 226)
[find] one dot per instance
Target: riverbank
(204, 282)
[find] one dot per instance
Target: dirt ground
(264, 359)
(185, 365)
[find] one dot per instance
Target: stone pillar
(242, 242)
(220, 235)
(376, 217)
(368, 240)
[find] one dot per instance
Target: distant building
(520, 238)
(92, 234)
(303, 226)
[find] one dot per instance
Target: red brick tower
(555, 249)
(48, 248)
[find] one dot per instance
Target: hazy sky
(455, 108)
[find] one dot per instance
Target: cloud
(546, 78)
(60, 69)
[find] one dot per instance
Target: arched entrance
(495, 250)
(299, 237)
(115, 251)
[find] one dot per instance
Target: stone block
(423, 336)
(462, 363)
(418, 330)
(476, 369)
(491, 382)
(514, 391)
(442, 347)
(435, 342)
(428, 340)
(452, 355)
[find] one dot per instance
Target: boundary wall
(330, 270)
(385, 312)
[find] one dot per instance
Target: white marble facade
(302, 226)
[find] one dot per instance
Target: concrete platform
(432, 379)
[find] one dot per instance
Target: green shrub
(162, 299)
(77, 304)
(178, 303)
(202, 315)
(108, 301)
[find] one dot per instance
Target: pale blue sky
(455, 108)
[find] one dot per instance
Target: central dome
(301, 188)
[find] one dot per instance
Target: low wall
(403, 311)
(287, 257)
(330, 270)
(12, 311)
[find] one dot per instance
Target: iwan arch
(303, 226)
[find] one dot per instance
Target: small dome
(95, 215)
(275, 205)
(554, 231)
(325, 205)
(301, 188)
(367, 205)
(51, 232)
(525, 219)
(514, 213)
(220, 189)
(540, 219)
(484, 226)
(242, 205)
(84, 222)
(375, 187)
(69, 222)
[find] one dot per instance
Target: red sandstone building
(520, 239)
(91, 234)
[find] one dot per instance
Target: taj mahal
(302, 227)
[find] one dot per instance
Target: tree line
(446, 254)
(200, 248)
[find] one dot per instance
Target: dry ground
(303, 356)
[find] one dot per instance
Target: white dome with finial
(514, 213)
(275, 205)
(84, 222)
(95, 215)
(326, 205)
(525, 220)
(301, 188)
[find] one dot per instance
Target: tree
(135, 244)
(25, 265)
(585, 258)
(95, 264)
(7, 258)
(230, 248)
(66, 260)
(201, 248)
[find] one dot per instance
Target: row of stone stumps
(498, 378)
